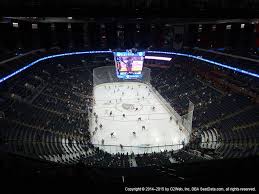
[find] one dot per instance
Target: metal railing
(141, 149)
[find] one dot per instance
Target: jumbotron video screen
(129, 64)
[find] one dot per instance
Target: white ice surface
(160, 131)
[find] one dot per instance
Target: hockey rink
(110, 129)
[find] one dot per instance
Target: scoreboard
(129, 64)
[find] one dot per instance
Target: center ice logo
(128, 106)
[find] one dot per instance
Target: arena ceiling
(125, 8)
(171, 21)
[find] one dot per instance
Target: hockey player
(112, 134)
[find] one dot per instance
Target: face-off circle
(129, 107)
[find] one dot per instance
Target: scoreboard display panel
(129, 65)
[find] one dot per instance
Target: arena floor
(135, 100)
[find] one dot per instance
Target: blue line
(158, 52)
